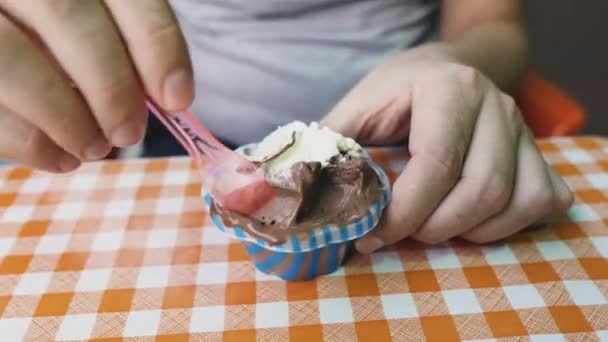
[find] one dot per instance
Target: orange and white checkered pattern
(123, 250)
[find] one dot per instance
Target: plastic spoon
(234, 182)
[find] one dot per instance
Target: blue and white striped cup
(305, 256)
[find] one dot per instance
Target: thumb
(390, 229)
(395, 223)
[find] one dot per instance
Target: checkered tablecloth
(124, 250)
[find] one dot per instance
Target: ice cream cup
(307, 255)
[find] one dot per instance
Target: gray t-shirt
(263, 63)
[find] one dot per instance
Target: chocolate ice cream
(310, 193)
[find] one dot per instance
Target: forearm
(496, 48)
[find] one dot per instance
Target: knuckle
(401, 226)
(114, 92)
(33, 145)
(495, 192)
(65, 123)
(465, 74)
(446, 162)
(162, 29)
(404, 224)
(540, 201)
(71, 132)
(122, 98)
(462, 215)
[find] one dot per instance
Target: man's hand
(73, 76)
(475, 171)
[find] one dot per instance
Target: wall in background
(569, 47)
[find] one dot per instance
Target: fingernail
(68, 163)
(98, 150)
(178, 89)
(368, 244)
(128, 134)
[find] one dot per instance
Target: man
(73, 75)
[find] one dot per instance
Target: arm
(74, 76)
(486, 35)
(474, 170)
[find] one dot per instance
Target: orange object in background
(548, 110)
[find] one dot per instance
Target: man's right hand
(74, 74)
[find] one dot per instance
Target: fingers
(344, 117)
(534, 197)
(86, 43)
(158, 48)
(388, 123)
(27, 145)
(487, 177)
(33, 89)
(443, 119)
(385, 89)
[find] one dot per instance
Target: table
(123, 249)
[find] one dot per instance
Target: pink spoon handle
(234, 181)
(194, 137)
